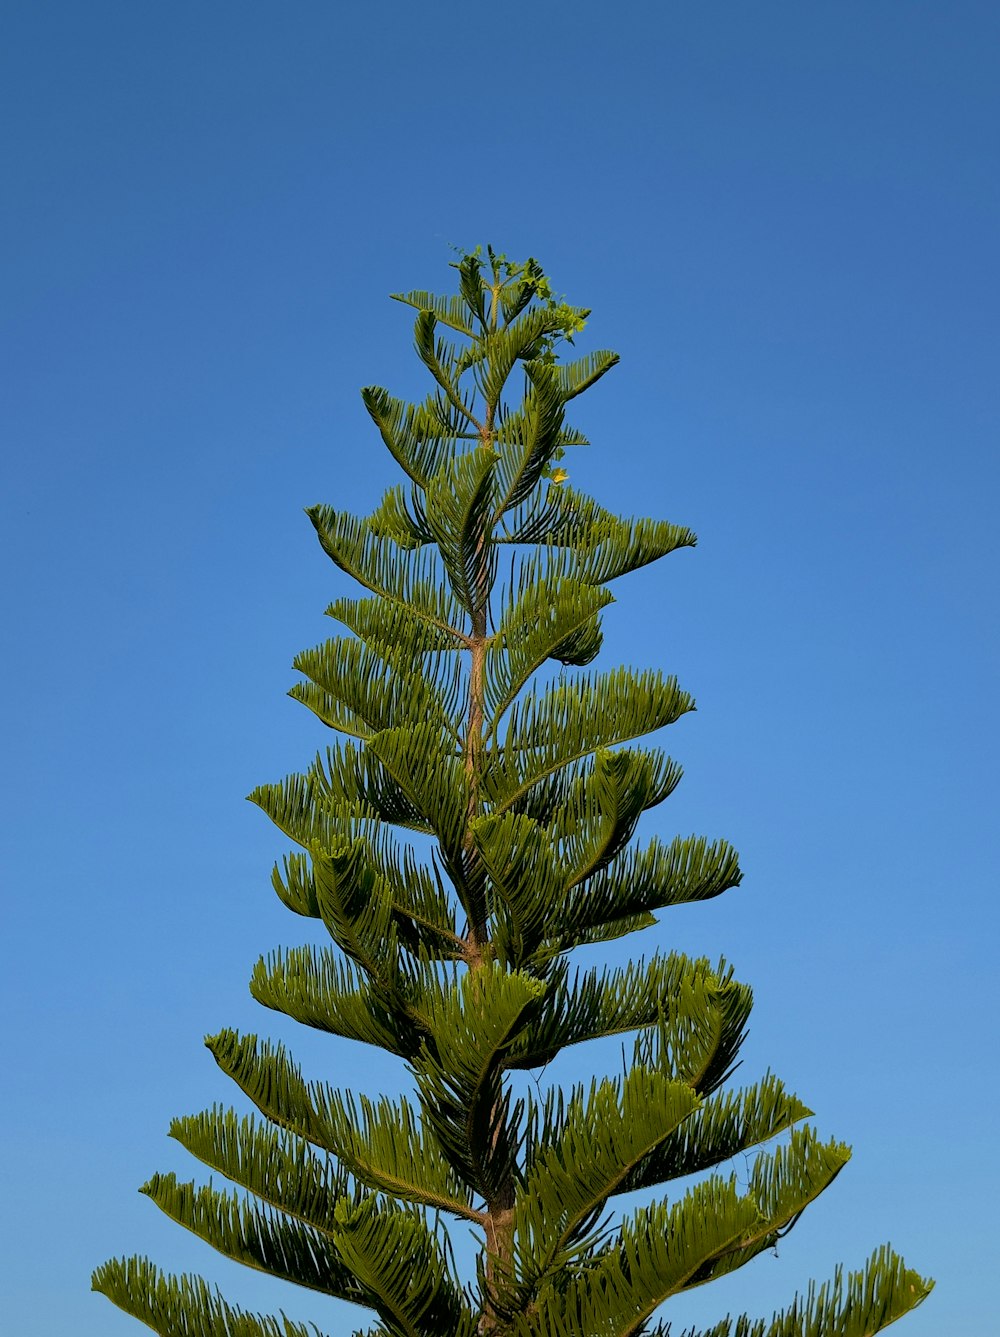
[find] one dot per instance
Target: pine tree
(471, 829)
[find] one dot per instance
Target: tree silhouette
(471, 829)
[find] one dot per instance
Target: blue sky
(785, 219)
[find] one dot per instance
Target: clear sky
(785, 218)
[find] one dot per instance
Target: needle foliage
(471, 825)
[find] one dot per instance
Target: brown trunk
(498, 1218)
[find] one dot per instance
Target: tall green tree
(470, 829)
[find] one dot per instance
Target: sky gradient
(785, 219)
